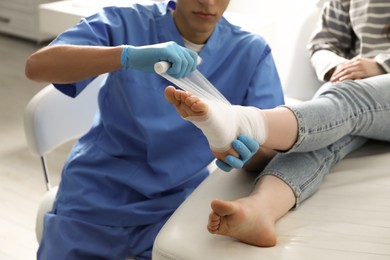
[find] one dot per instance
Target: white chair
(51, 119)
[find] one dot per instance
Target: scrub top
(140, 159)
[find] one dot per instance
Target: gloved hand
(183, 61)
(246, 147)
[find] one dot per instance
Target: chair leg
(46, 173)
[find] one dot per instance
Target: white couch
(348, 218)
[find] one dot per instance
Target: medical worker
(140, 160)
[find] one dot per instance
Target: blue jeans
(333, 124)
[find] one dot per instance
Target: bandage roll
(162, 66)
(194, 82)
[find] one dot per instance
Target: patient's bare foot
(252, 219)
(188, 105)
(243, 220)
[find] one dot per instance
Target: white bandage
(194, 82)
(224, 122)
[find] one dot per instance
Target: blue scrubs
(140, 160)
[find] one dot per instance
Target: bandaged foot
(221, 123)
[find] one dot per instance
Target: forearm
(324, 62)
(71, 63)
(260, 160)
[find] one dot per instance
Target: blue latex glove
(246, 147)
(183, 61)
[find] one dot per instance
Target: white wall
(263, 16)
(278, 21)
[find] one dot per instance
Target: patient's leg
(250, 219)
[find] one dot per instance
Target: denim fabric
(333, 124)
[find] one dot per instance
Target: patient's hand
(356, 68)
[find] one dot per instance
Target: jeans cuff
(301, 129)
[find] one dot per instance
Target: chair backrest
(52, 118)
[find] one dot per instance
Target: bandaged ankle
(224, 122)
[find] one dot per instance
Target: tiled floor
(21, 181)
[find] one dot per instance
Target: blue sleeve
(265, 86)
(73, 89)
